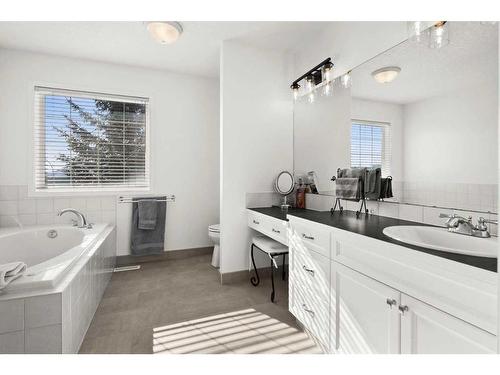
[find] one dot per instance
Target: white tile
(388, 209)
(8, 192)
(45, 219)
(431, 215)
(411, 213)
(8, 221)
(8, 208)
(109, 217)
(11, 315)
(373, 207)
(43, 310)
(26, 206)
(108, 203)
(44, 205)
(78, 203)
(61, 203)
(43, 340)
(94, 217)
(12, 343)
(22, 192)
(493, 228)
(93, 204)
(27, 219)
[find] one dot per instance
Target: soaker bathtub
(48, 251)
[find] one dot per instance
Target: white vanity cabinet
(384, 298)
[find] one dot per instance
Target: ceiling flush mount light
(439, 35)
(164, 32)
(387, 74)
(316, 77)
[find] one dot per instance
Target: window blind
(371, 145)
(85, 140)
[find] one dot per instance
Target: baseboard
(127, 260)
(245, 275)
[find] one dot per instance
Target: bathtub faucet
(82, 221)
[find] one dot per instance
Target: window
(371, 145)
(89, 141)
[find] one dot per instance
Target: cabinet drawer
(311, 235)
(311, 312)
(270, 226)
(311, 270)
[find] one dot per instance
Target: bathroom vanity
(359, 291)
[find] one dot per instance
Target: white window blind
(371, 145)
(87, 140)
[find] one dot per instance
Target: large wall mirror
(433, 127)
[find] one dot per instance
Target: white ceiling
(469, 59)
(196, 51)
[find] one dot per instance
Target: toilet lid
(214, 228)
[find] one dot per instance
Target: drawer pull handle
(391, 302)
(276, 231)
(307, 237)
(308, 310)
(256, 222)
(308, 270)
(403, 309)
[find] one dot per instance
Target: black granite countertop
(373, 226)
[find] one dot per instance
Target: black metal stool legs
(272, 277)
(283, 271)
(255, 280)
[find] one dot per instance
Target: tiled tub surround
(56, 320)
(16, 204)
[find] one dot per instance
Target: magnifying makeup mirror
(284, 185)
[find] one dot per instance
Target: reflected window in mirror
(371, 145)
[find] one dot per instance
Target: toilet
(214, 235)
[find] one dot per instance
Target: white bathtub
(49, 258)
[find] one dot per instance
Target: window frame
(386, 151)
(80, 190)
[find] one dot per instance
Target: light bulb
(327, 71)
(295, 90)
(439, 35)
(346, 80)
(311, 97)
(328, 89)
(309, 83)
(415, 30)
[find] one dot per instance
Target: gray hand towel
(373, 183)
(148, 242)
(352, 172)
(147, 214)
(348, 188)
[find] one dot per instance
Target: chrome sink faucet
(82, 221)
(462, 225)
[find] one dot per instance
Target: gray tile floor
(179, 306)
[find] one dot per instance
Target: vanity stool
(273, 249)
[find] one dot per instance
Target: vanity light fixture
(346, 80)
(320, 75)
(386, 74)
(439, 35)
(164, 32)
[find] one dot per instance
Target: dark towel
(148, 242)
(147, 214)
(372, 183)
(386, 188)
(349, 188)
(352, 173)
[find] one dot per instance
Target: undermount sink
(442, 240)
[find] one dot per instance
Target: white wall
(256, 139)
(456, 134)
(184, 133)
(349, 44)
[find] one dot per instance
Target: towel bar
(168, 198)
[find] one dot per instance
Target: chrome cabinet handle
(403, 309)
(308, 270)
(307, 237)
(256, 222)
(391, 302)
(304, 306)
(276, 231)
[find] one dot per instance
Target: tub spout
(82, 221)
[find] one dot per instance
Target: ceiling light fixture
(164, 32)
(386, 74)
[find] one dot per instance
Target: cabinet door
(427, 330)
(367, 313)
